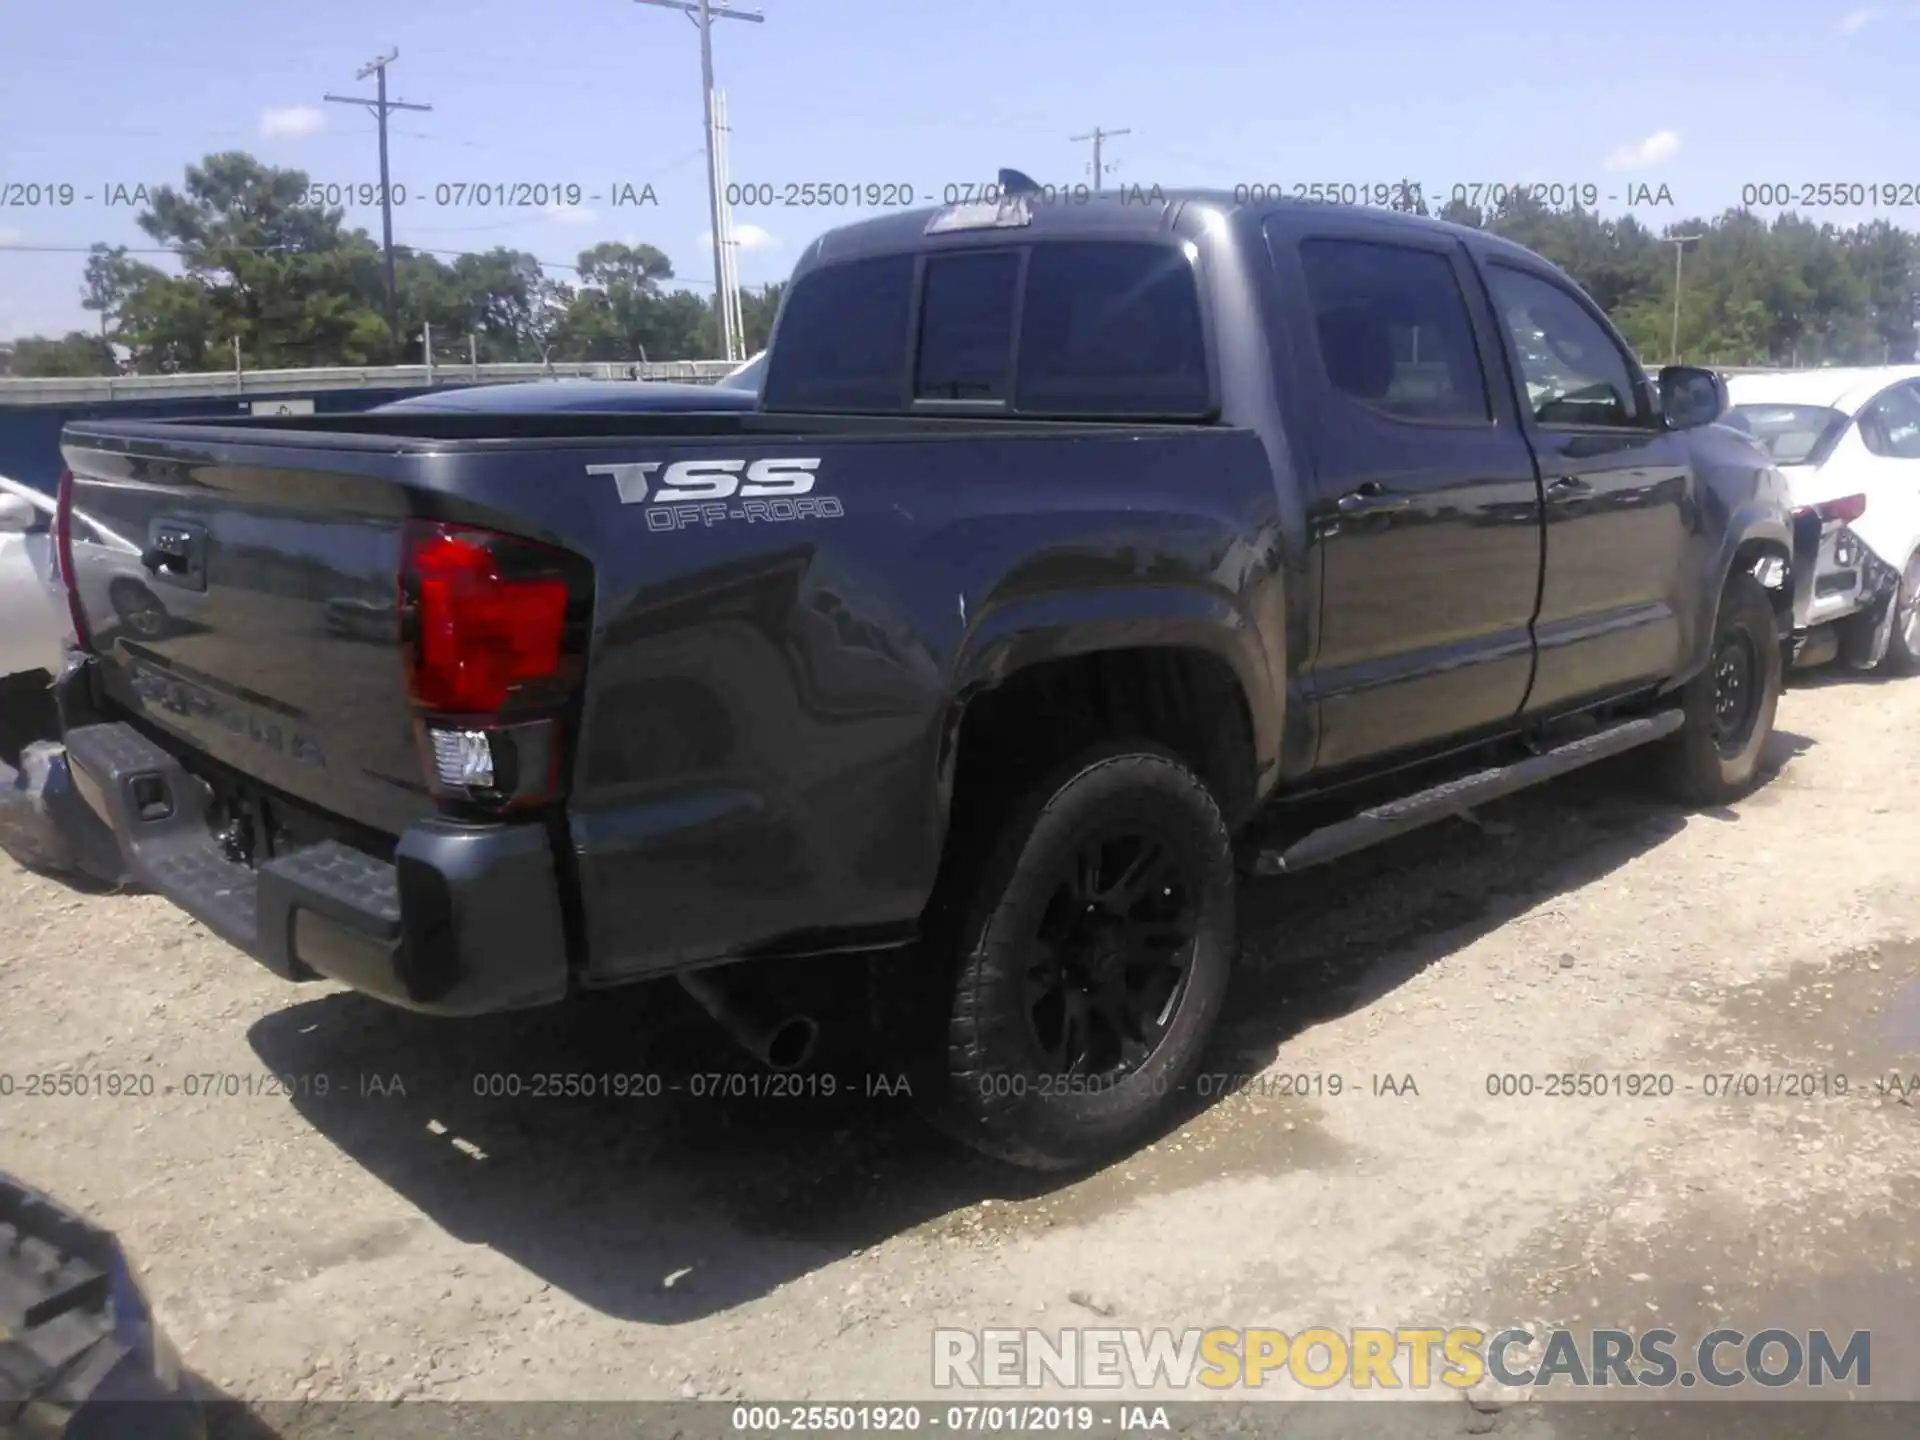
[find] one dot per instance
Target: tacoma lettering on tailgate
(169, 692)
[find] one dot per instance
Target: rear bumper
(1836, 574)
(465, 921)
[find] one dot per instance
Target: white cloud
(291, 122)
(747, 237)
(1854, 21)
(571, 214)
(1659, 146)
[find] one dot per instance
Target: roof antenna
(1013, 182)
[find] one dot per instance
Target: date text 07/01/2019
(58, 194)
(1403, 194)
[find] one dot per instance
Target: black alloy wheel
(1110, 957)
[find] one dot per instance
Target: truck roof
(1110, 214)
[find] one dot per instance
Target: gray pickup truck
(1076, 558)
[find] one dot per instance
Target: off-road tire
(1903, 644)
(958, 1001)
(1695, 767)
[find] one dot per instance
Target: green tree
(171, 325)
(757, 311)
(620, 312)
(284, 277)
(112, 279)
(75, 353)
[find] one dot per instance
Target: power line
(703, 14)
(1096, 135)
(381, 107)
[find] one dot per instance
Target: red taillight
(63, 557)
(1845, 510)
(495, 626)
(480, 633)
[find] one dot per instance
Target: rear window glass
(1790, 433)
(843, 338)
(1394, 329)
(1108, 330)
(1111, 329)
(966, 326)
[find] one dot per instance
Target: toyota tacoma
(1076, 560)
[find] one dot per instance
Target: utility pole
(381, 106)
(703, 13)
(1681, 244)
(1096, 135)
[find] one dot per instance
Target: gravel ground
(401, 1235)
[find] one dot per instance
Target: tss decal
(710, 492)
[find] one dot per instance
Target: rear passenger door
(1618, 490)
(1424, 504)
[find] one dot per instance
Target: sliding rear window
(1070, 330)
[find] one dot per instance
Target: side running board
(1423, 807)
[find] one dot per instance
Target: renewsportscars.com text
(1395, 1358)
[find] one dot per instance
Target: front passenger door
(1618, 495)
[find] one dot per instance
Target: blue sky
(1701, 97)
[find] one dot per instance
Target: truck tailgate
(250, 610)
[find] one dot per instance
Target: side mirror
(18, 515)
(1691, 396)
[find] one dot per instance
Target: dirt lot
(401, 1235)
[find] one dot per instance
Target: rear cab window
(966, 327)
(1067, 329)
(843, 339)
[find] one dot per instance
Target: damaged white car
(1848, 442)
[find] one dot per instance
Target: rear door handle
(1370, 499)
(1569, 487)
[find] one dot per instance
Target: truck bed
(769, 683)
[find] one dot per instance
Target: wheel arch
(1758, 534)
(1185, 697)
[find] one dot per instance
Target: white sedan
(1848, 442)
(33, 616)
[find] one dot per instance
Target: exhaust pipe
(777, 1039)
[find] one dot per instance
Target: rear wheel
(1903, 645)
(1088, 965)
(1729, 706)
